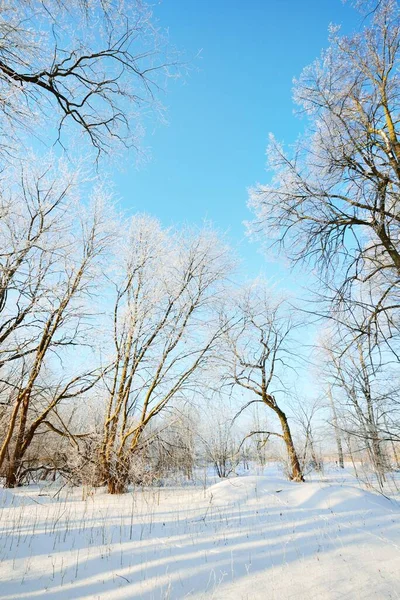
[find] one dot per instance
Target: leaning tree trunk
(295, 468)
(18, 451)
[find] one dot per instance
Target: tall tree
(163, 333)
(258, 342)
(365, 385)
(52, 248)
(334, 199)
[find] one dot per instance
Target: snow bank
(338, 497)
(311, 496)
(10, 500)
(245, 489)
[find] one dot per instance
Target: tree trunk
(11, 476)
(115, 485)
(18, 452)
(117, 475)
(4, 451)
(393, 444)
(351, 454)
(337, 432)
(296, 473)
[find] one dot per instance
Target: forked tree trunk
(116, 485)
(116, 475)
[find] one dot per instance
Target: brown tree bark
(296, 472)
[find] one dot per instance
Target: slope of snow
(9, 499)
(311, 496)
(244, 538)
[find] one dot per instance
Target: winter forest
(199, 396)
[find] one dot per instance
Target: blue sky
(220, 113)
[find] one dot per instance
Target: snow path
(245, 538)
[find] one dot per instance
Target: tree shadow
(198, 549)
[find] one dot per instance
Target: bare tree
(366, 397)
(259, 349)
(51, 255)
(219, 437)
(163, 332)
(170, 443)
(305, 414)
(334, 201)
(94, 65)
(338, 433)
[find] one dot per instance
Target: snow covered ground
(254, 537)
